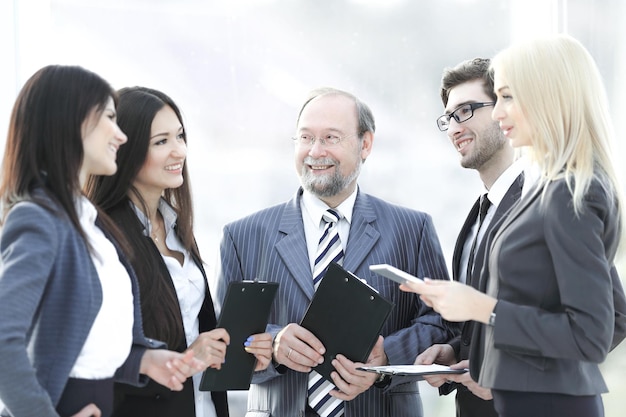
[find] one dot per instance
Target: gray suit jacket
(270, 245)
(561, 306)
(49, 297)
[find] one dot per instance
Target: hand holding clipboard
(346, 315)
(245, 312)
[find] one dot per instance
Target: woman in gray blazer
(70, 319)
(554, 304)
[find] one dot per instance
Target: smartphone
(394, 274)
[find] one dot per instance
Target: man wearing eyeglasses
(334, 136)
(468, 96)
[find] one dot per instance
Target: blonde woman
(554, 306)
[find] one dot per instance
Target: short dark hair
(470, 70)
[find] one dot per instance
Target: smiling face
(101, 140)
(479, 138)
(167, 150)
(330, 171)
(509, 115)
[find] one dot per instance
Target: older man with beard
(334, 136)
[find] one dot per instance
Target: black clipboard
(245, 312)
(346, 315)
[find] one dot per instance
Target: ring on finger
(289, 353)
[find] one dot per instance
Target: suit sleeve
(29, 249)
(426, 327)
(584, 328)
(227, 270)
(619, 301)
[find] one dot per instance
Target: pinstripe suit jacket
(270, 245)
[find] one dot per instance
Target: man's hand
(466, 379)
(297, 348)
(439, 354)
(349, 381)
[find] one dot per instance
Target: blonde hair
(559, 89)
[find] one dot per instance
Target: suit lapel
(480, 275)
(292, 247)
(508, 201)
(517, 210)
(462, 237)
(363, 235)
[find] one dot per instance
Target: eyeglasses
(460, 114)
(326, 140)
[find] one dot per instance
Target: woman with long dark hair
(71, 322)
(149, 198)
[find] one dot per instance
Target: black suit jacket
(468, 405)
(154, 399)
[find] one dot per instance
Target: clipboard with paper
(415, 372)
(245, 312)
(346, 315)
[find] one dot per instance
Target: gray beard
(328, 185)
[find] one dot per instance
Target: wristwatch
(492, 319)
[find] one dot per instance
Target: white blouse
(190, 290)
(111, 336)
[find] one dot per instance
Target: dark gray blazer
(49, 297)
(270, 245)
(561, 306)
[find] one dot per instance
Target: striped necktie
(329, 250)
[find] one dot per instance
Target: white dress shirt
(312, 211)
(111, 336)
(495, 195)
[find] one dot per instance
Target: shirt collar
(85, 210)
(316, 207)
(169, 217)
(499, 188)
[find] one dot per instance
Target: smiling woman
(63, 271)
(149, 198)
(101, 140)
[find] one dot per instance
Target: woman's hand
(90, 410)
(453, 300)
(260, 345)
(168, 368)
(210, 347)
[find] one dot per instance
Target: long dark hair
(136, 110)
(44, 147)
